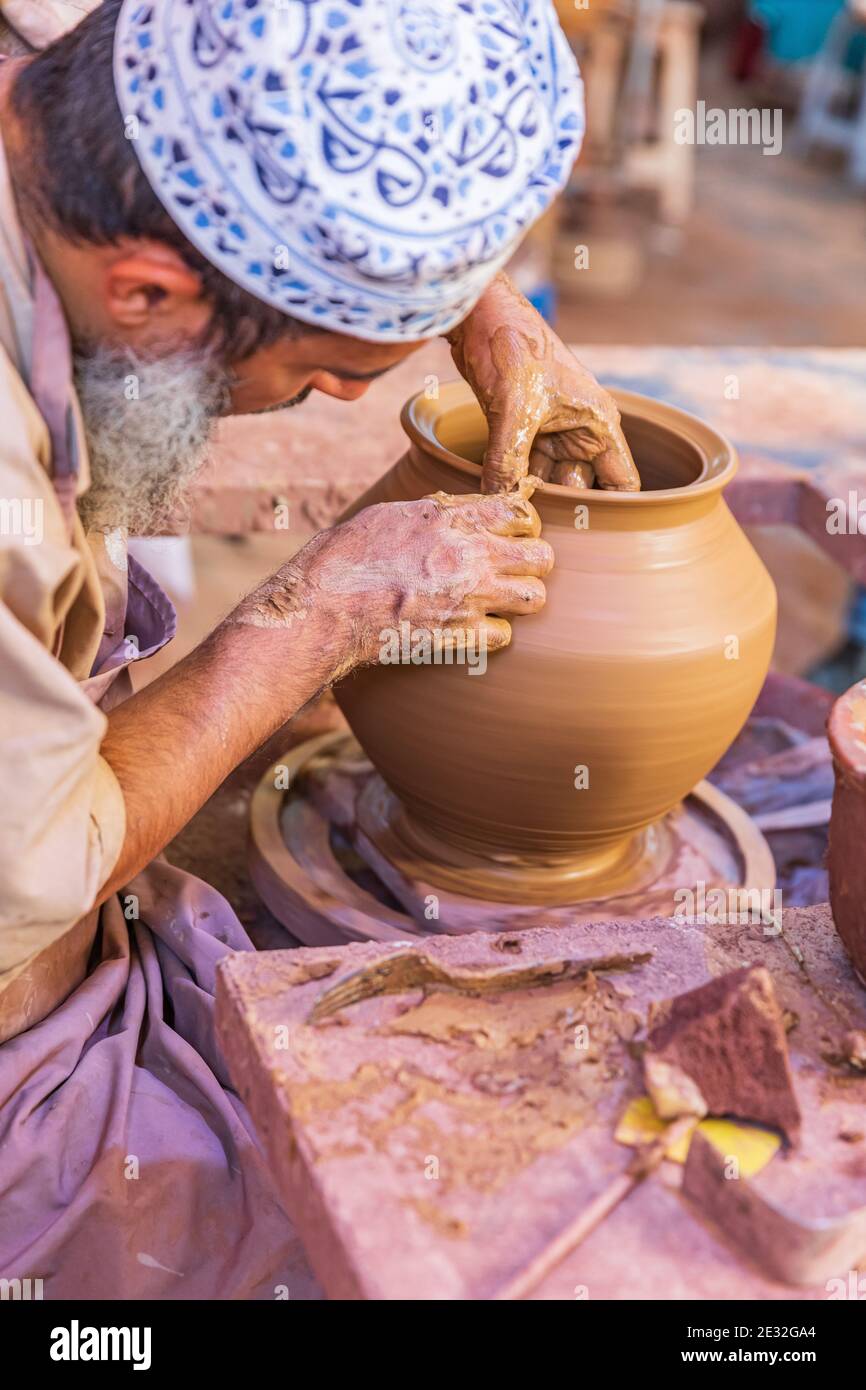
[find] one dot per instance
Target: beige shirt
(62, 816)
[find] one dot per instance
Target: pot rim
(420, 416)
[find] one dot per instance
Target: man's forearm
(171, 745)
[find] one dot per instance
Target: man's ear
(149, 281)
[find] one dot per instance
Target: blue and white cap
(363, 165)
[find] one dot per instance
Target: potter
(186, 233)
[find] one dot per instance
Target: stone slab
(429, 1143)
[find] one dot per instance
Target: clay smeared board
(357, 1112)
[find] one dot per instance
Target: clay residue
(261, 983)
(413, 969)
(433, 1214)
(527, 1072)
(318, 1097)
(497, 1024)
(312, 970)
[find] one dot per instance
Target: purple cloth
(128, 1166)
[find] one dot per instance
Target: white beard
(148, 424)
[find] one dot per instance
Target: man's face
(285, 372)
(150, 416)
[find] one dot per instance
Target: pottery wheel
(329, 861)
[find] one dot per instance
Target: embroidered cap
(364, 165)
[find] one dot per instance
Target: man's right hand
(458, 562)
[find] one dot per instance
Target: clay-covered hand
(443, 562)
(546, 414)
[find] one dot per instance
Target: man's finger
(509, 514)
(513, 594)
(540, 464)
(495, 633)
(503, 514)
(615, 469)
(581, 475)
(524, 557)
(506, 458)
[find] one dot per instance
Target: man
(210, 207)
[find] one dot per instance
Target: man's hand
(441, 562)
(546, 413)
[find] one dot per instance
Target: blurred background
(701, 244)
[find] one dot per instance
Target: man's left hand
(546, 413)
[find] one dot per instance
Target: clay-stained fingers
(514, 556)
(495, 633)
(549, 467)
(591, 451)
(579, 475)
(615, 469)
(517, 594)
(500, 513)
(551, 461)
(540, 465)
(509, 427)
(510, 513)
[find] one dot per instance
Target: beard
(148, 422)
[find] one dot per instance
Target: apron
(128, 1166)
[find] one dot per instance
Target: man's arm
(439, 562)
(171, 745)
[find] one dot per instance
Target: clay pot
(542, 780)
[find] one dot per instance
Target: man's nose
(332, 385)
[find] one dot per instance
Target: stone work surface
(431, 1138)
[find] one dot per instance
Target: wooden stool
(640, 66)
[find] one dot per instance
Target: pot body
(614, 701)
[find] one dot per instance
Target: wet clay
(609, 705)
(521, 1087)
